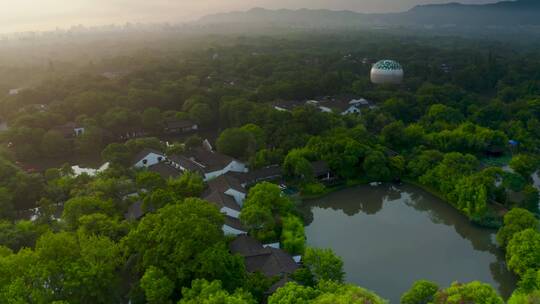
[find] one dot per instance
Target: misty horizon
(60, 14)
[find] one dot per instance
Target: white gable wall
(149, 160)
(351, 110)
(234, 166)
(228, 230)
(238, 196)
(230, 212)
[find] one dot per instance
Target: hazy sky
(22, 15)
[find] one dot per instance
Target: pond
(390, 236)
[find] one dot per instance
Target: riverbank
(491, 221)
(377, 230)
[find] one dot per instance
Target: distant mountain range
(505, 14)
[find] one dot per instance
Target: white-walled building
(147, 158)
(208, 163)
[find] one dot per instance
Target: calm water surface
(390, 236)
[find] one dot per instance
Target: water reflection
(390, 236)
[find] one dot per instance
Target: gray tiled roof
(225, 182)
(201, 160)
(269, 261)
(222, 200)
(165, 170)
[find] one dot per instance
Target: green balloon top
(387, 65)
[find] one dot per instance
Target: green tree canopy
(324, 264)
(516, 220)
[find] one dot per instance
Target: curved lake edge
(504, 281)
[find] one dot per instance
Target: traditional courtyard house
(208, 163)
(230, 208)
(343, 107)
(147, 158)
(135, 132)
(321, 171)
(233, 226)
(271, 262)
(230, 186)
(180, 126)
(287, 106)
(225, 203)
(270, 173)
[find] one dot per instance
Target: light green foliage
(158, 199)
(20, 234)
(109, 188)
(63, 267)
(516, 220)
(240, 143)
(189, 184)
(335, 293)
(257, 133)
(470, 197)
(266, 157)
(342, 153)
(522, 298)
(324, 264)
(157, 287)
(523, 251)
(99, 224)
(325, 292)
(297, 165)
(524, 164)
(216, 263)
(313, 188)
(474, 292)
(263, 204)
(422, 292)
(454, 178)
(84, 205)
(149, 180)
(292, 236)
(468, 138)
(204, 292)
(174, 238)
(293, 293)
(424, 162)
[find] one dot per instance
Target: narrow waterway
(390, 236)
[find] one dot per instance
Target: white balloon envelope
(387, 72)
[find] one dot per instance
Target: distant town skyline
(36, 15)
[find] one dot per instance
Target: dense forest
(464, 125)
